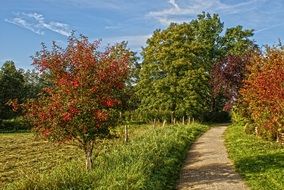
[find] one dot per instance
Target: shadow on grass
(14, 131)
(262, 163)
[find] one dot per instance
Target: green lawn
(151, 160)
(260, 163)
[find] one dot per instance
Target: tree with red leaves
(229, 69)
(263, 91)
(84, 92)
(227, 78)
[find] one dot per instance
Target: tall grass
(150, 160)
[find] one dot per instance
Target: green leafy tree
(175, 71)
(34, 82)
(237, 41)
(11, 87)
(129, 100)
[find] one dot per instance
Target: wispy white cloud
(112, 27)
(23, 23)
(174, 4)
(135, 42)
(58, 27)
(269, 28)
(177, 13)
(36, 23)
(105, 4)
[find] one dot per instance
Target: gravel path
(207, 165)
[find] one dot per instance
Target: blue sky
(24, 24)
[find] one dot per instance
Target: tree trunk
(89, 154)
(213, 104)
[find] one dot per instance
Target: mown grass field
(150, 160)
(260, 162)
(22, 154)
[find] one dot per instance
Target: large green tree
(129, 99)
(176, 65)
(11, 87)
(34, 82)
(237, 41)
(177, 61)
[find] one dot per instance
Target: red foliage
(110, 102)
(101, 115)
(66, 116)
(14, 105)
(47, 90)
(263, 91)
(80, 77)
(46, 132)
(75, 84)
(227, 77)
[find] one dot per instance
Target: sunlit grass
(150, 160)
(260, 162)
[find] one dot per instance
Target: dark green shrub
(13, 125)
(216, 117)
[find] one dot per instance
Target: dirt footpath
(207, 165)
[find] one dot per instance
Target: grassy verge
(261, 163)
(151, 160)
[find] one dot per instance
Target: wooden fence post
(183, 120)
(126, 133)
(188, 121)
(164, 123)
(256, 131)
(154, 123)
